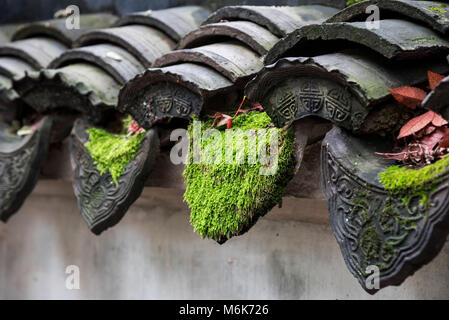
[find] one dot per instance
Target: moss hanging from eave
(226, 199)
(112, 152)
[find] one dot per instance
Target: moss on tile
(371, 244)
(225, 199)
(408, 184)
(425, 40)
(437, 9)
(112, 152)
(351, 2)
(397, 179)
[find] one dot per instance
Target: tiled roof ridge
(336, 86)
(431, 13)
(119, 52)
(57, 29)
(201, 46)
(171, 21)
(36, 44)
(279, 20)
(364, 76)
(414, 41)
(27, 53)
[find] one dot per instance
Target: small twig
(240, 108)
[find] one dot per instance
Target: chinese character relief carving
(20, 161)
(101, 201)
(396, 233)
(299, 97)
(311, 96)
(163, 101)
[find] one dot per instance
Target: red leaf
(256, 106)
(229, 126)
(433, 139)
(216, 116)
(438, 121)
(434, 79)
(409, 96)
(429, 130)
(444, 143)
(223, 120)
(419, 123)
(135, 128)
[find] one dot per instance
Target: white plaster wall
(154, 254)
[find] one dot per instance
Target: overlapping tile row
(212, 63)
(298, 62)
(432, 14)
(87, 79)
(341, 87)
(341, 71)
(106, 59)
(33, 47)
(61, 29)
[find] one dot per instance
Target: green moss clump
(227, 198)
(437, 9)
(390, 217)
(112, 152)
(361, 203)
(398, 179)
(371, 244)
(424, 40)
(410, 184)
